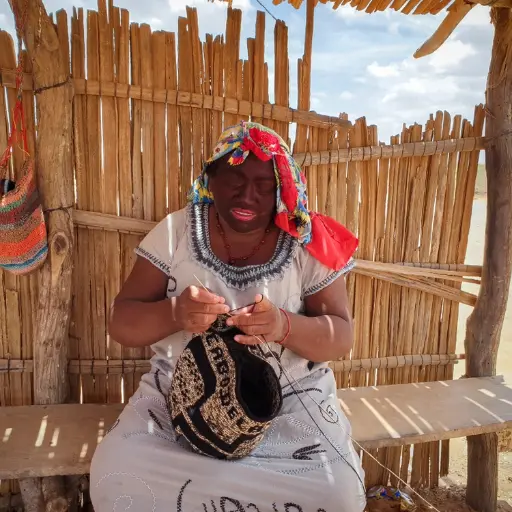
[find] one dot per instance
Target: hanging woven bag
(23, 237)
(23, 240)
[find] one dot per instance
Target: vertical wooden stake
(54, 168)
(485, 323)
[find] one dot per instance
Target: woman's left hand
(263, 320)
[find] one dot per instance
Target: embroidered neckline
(239, 278)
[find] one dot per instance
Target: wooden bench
(61, 439)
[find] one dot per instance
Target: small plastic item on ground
(382, 498)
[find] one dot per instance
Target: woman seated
(245, 238)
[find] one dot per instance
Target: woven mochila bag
(23, 240)
(223, 395)
(23, 237)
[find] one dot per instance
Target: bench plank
(48, 440)
(401, 414)
(61, 439)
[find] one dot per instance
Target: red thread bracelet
(288, 329)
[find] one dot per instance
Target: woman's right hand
(197, 309)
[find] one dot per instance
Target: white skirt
(305, 463)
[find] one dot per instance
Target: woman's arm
(324, 334)
(142, 315)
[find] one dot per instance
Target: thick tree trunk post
(54, 168)
(485, 323)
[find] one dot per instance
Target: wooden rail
(124, 366)
(190, 99)
(406, 150)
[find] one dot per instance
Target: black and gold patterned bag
(223, 395)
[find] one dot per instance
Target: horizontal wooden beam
(8, 79)
(120, 366)
(456, 273)
(188, 99)
(375, 363)
(108, 222)
(386, 151)
(208, 102)
(422, 284)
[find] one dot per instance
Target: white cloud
(179, 6)
(379, 78)
(350, 56)
(348, 12)
(446, 87)
(6, 19)
(316, 103)
(479, 16)
(451, 53)
(394, 28)
(317, 100)
(375, 69)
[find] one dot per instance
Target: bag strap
(18, 115)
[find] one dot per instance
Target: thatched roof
(370, 6)
(455, 11)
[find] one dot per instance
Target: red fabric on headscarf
(331, 243)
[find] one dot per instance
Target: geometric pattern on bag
(223, 395)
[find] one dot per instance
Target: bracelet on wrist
(289, 326)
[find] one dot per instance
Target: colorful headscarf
(327, 240)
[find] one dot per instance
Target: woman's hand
(261, 322)
(197, 309)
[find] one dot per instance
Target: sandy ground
(444, 499)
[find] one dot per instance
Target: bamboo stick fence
(149, 107)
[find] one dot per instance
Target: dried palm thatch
(456, 10)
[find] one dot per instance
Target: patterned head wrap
(327, 240)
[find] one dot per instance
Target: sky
(362, 63)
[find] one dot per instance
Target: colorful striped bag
(23, 241)
(23, 238)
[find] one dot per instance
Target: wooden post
(485, 323)
(54, 169)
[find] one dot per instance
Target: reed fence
(148, 108)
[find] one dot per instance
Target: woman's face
(245, 194)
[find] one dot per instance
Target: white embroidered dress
(306, 462)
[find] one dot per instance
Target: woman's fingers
(201, 319)
(248, 340)
(261, 304)
(248, 319)
(210, 309)
(260, 330)
(204, 296)
(243, 311)
(203, 301)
